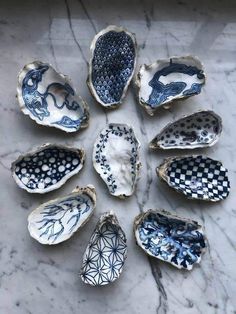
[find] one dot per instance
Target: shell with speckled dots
(198, 130)
(47, 167)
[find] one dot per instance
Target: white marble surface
(37, 279)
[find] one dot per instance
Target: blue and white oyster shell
(197, 177)
(167, 80)
(178, 241)
(112, 65)
(49, 98)
(47, 167)
(116, 158)
(57, 220)
(106, 252)
(200, 129)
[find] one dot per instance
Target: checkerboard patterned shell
(197, 177)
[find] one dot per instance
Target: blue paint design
(34, 100)
(65, 212)
(161, 92)
(195, 89)
(112, 65)
(37, 102)
(105, 254)
(100, 157)
(70, 123)
(170, 239)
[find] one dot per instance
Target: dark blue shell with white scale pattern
(112, 65)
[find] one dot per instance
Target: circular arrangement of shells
(49, 98)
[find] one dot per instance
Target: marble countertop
(39, 279)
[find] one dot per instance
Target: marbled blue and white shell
(169, 79)
(106, 252)
(57, 220)
(47, 168)
(200, 129)
(49, 98)
(178, 241)
(112, 65)
(116, 158)
(197, 177)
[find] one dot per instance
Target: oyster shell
(197, 177)
(178, 241)
(106, 252)
(169, 79)
(49, 98)
(56, 221)
(116, 158)
(47, 167)
(200, 129)
(112, 65)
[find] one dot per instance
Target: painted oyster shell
(57, 220)
(200, 129)
(197, 177)
(169, 79)
(49, 98)
(112, 65)
(47, 167)
(116, 158)
(178, 241)
(106, 252)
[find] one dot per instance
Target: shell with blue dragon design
(167, 80)
(49, 98)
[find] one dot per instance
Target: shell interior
(170, 238)
(105, 254)
(201, 129)
(169, 79)
(57, 220)
(49, 98)
(47, 168)
(116, 158)
(112, 65)
(197, 177)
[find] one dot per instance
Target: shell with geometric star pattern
(106, 252)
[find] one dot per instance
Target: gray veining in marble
(44, 280)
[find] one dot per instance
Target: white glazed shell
(116, 158)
